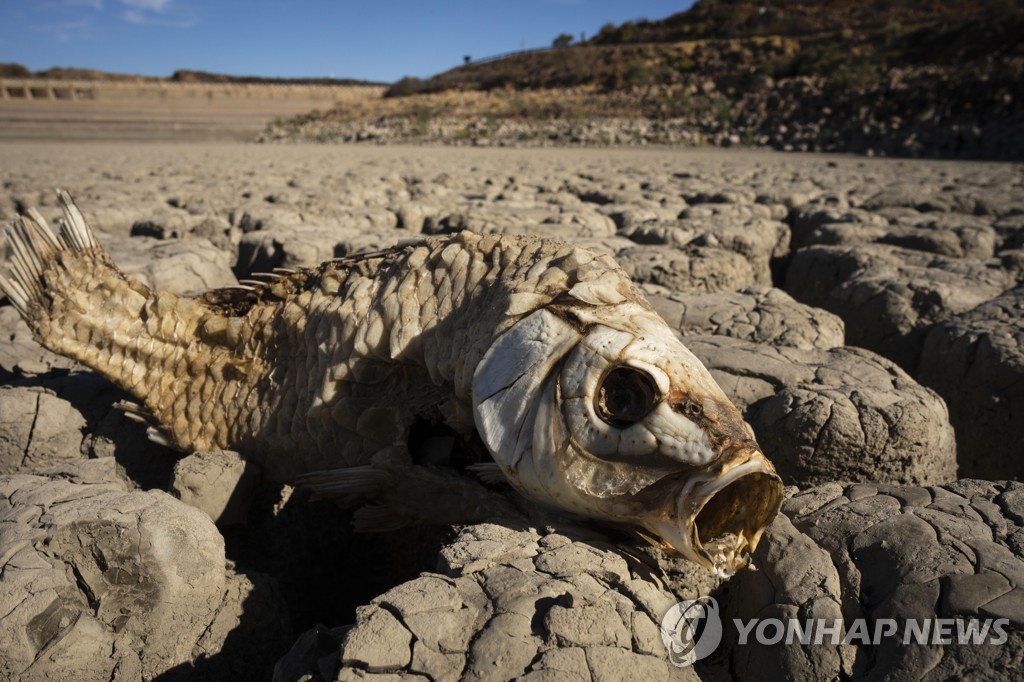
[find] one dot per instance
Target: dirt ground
(49, 159)
(864, 314)
(165, 112)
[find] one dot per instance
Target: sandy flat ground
(46, 122)
(169, 112)
(85, 162)
(30, 157)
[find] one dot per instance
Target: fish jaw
(716, 517)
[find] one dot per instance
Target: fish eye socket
(625, 397)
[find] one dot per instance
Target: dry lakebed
(866, 315)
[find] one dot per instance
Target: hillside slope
(852, 41)
(900, 77)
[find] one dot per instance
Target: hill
(747, 18)
(10, 70)
(721, 39)
(184, 76)
(899, 77)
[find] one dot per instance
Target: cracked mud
(865, 315)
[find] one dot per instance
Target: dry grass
(574, 104)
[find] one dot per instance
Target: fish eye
(625, 397)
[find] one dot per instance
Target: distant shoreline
(85, 110)
(17, 71)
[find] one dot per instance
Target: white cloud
(92, 4)
(61, 5)
(65, 30)
(155, 12)
(134, 16)
(147, 5)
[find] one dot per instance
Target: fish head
(602, 411)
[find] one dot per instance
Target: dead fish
(583, 396)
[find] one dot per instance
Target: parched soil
(105, 111)
(864, 314)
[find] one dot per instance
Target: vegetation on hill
(184, 76)
(905, 77)
(8, 70)
(854, 41)
(709, 19)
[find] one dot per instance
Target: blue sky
(375, 39)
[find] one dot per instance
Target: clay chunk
(889, 296)
(99, 578)
(507, 603)
(759, 314)
(975, 361)
(946, 562)
(842, 414)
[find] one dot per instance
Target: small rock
(221, 484)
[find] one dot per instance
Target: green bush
(613, 35)
(421, 114)
(608, 34)
(637, 73)
(563, 40)
(723, 112)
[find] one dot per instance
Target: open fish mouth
(719, 517)
(733, 516)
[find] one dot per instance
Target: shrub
(608, 34)
(408, 86)
(637, 73)
(563, 40)
(421, 114)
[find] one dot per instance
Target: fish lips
(715, 516)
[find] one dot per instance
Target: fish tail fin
(76, 301)
(170, 352)
(33, 246)
(64, 285)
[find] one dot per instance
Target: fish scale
(326, 369)
(180, 354)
